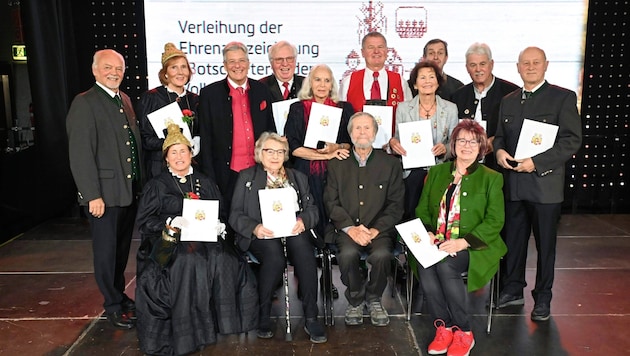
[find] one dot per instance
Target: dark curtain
(39, 185)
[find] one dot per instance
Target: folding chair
(400, 249)
(329, 252)
(494, 295)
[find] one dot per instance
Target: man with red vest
(374, 85)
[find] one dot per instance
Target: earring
(165, 76)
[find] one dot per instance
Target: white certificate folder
(535, 138)
(171, 112)
(280, 112)
(277, 209)
(384, 117)
(418, 241)
(417, 139)
(201, 217)
(323, 124)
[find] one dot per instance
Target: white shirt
(236, 86)
(479, 96)
(107, 90)
(282, 89)
(368, 79)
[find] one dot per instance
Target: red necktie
(286, 90)
(241, 90)
(376, 89)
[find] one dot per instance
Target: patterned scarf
(317, 167)
(448, 227)
(280, 181)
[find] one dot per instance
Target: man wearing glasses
(233, 112)
(283, 83)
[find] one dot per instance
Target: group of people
(346, 192)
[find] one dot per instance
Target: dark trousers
(380, 259)
(445, 290)
(111, 240)
(521, 217)
(301, 253)
(316, 184)
(413, 190)
(227, 189)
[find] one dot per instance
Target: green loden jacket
(481, 215)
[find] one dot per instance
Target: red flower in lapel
(263, 105)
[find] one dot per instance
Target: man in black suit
(436, 51)
(534, 186)
(233, 112)
(104, 144)
(480, 99)
(283, 83)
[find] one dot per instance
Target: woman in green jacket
(463, 210)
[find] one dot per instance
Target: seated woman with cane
(187, 292)
(271, 151)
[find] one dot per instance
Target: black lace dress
(204, 289)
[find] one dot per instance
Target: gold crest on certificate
(417, 139)
(277, 210)
(417, 240)
(535, 138)
(323, 125)
(201, 218)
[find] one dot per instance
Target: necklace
(182, 180)
(427, 111)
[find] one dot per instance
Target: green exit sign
(19, 52)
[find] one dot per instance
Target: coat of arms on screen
(410, 22)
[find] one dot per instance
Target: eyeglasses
(279, 60)
(272, 152)
(462, 142)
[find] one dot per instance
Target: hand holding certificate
(417, 139)
(384, 117)
(535, 138)
(277, 210)
(323, 124)
(202, 217)
(160, 118)
(418, 241)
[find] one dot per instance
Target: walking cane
(288, 336)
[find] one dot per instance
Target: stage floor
(50, 305)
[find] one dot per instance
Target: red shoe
(442, 340)
(462, 343)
